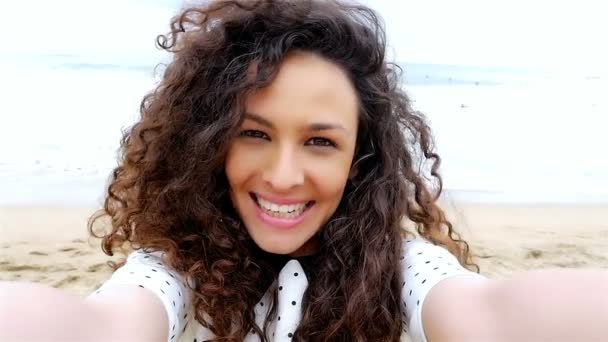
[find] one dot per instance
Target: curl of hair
(169, 190)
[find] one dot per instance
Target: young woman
(267, 192)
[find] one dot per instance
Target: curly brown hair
(169, 191)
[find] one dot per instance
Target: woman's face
(288, 167)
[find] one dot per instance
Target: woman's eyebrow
(320, 126)
(259, 119)
(315, 126)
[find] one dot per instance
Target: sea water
(517, 135)
(504, 135)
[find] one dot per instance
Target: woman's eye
(251, 133)
(321, 142)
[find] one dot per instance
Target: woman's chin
(285, 247)
(277, 247)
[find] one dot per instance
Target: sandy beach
(50, 245)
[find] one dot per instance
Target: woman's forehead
(308, 88)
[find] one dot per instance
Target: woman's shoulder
(420, 248)
(146, 269)
(423, 266)
(150, 264)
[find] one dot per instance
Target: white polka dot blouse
(424, 265)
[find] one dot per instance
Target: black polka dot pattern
(292, 283)
(146, 270)
(423, 266)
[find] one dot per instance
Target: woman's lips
(278, 200)
(280, 222)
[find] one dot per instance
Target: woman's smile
(282, 208)
(281, 213)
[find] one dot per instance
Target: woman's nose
(284, 171)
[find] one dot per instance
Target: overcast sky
(568, 35)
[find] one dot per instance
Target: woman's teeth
(281, 210)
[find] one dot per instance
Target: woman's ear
(354, 170)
